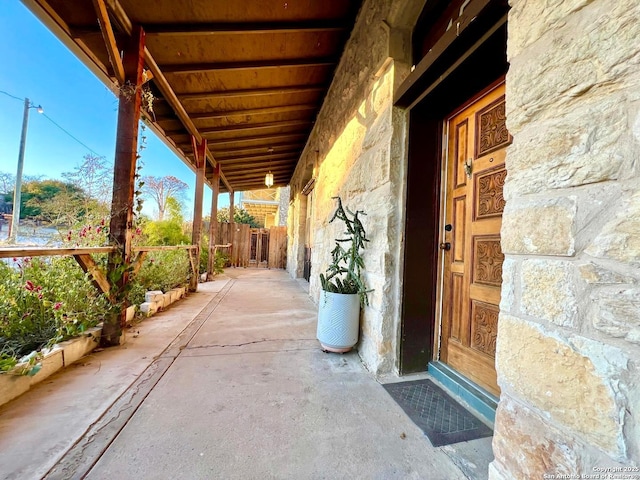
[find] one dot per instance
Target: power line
(12, 96)
(56, 124)
(52, 121)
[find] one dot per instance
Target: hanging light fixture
(268, 178)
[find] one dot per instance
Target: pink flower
(40, 296)
(29, 285)
(57, 306)
(15, 259)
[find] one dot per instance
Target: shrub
(162, 270)
(43, 302)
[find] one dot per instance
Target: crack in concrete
(215, 345)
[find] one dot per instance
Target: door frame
(465, 73)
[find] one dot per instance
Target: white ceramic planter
(338, 321)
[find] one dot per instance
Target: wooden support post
(213, 224)
(231, 211)
(123, 181)
(199, 150)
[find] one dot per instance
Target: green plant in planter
(344, 273)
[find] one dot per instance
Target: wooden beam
(109, 40)
(137, 263)
(48, 252)
(164, 29)
(229, 164)
(253, 92)
(167, 92)
(191, 68)
(124, 179)
(231, 212)
(258, 127)
(279, 149)
(451, 36)
(213, 223)
(262, 138)
(244, 127)
(88, 265)
(258, 184)
(159, 78)
(252, 165)
(199, 153)
(249, 174)
(222, 115)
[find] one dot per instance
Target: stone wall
(356, 151)
(568, 353)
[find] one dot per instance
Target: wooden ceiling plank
(109, 40)
(231, 167)
(187, 69)
(220, 115)
(257, 127)
(263, 138)
(165, 29)
(253, 92)
(278, 148)
(245, 127)
(252, 158)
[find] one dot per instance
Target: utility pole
(17, 193)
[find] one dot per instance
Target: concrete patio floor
(230, 383)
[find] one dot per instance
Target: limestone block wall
(356, 151)
(568, 353)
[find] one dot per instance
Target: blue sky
(38, 66)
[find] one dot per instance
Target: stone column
(569, 334)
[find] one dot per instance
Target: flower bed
(38, 366)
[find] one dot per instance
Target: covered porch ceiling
(249, 76)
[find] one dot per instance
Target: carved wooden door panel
(472, 269)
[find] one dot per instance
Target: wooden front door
(472, 268)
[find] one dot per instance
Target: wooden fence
(254, 247)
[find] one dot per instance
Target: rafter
(218, 144)
(277, 148)
(245, 127)
(244, 28)
(250, 158)
(109, 40)
(275, 164)
(190, 68)
(252, 92)
(221, 115)
(161, 82)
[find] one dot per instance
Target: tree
(160, 189)
(7, 182)
(240, 215)
(37, 199)
(95, 176)
(174, 210)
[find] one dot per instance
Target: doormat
(443, 420)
